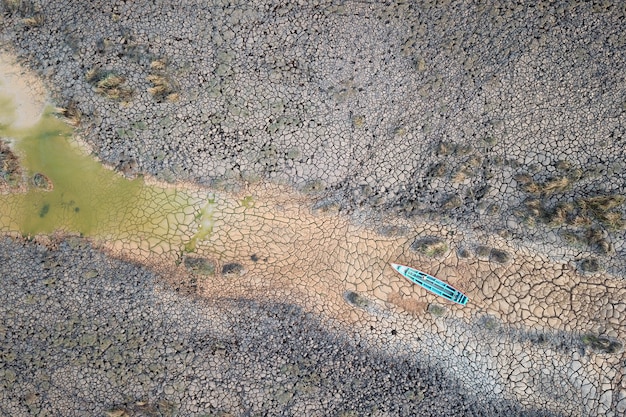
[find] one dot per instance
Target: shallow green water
(91, 200)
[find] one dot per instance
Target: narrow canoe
(432, 284)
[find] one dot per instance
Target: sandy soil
(24, 89)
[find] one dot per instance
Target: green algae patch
(64, 190)
(206, 222)
(83, 196)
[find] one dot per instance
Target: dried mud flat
(297, 312)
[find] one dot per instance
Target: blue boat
(432, 284)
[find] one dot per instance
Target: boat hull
(432, 284)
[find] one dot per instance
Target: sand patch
(26, 93)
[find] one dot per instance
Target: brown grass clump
(109, 84)
(71, 113)
(572, 238)
(158, 65)
(532, 188)
(602, 203)
(575, 174)
(555, 184)
(563, 165)
(533, 207)
(600, 206)
(459, 176)
(613, 220)
(34, 21)
(109, 81)
(523, 179)
(162, 86)
(560, 214)
(581, 221)
(437, 170)
(474, 161)
(445, 149)
(13, 6)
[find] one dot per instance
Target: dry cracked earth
(480, 142)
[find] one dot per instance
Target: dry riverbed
(261, 300)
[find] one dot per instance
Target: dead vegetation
(587, 220)
(35, 20)
(10, 171)
(70, 113)
(567, 176)
(17, 6)
(31, 15)
(163, 88)
(588, 213)
(109, 84)
(551, 186)
(602, 208)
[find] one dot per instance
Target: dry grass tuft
(117, 413)
(34, 21)
(158, 65)
(563, 165)
(533, 207)
(599, 204)
(445, 149)
(555, 184)
(572, 238)
(523, 179)
(459, 176)
(612, 219)
(532, 188)
(437, 170)
(109, 84)
(580, 221)
(430, 246)
(92, 74)
(163, 88)
(13, 6)
(172, 97)
(71, 113)
(560, 214)
(110, 81)
(575, 174)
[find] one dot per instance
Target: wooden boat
(432, 284)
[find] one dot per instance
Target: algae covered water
(62, 189)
